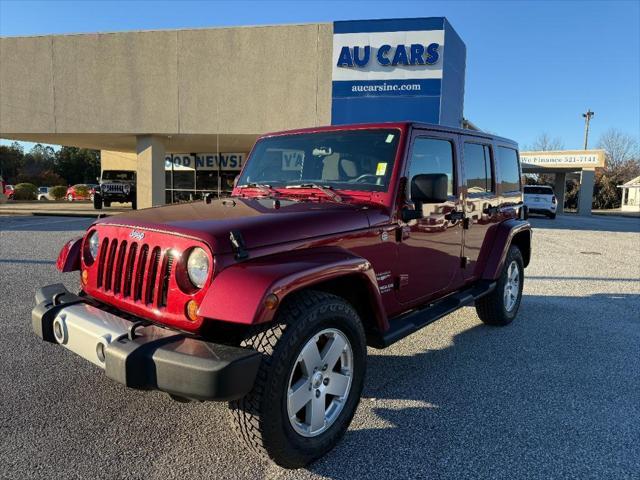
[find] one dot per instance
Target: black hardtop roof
(409, 124)
(461, 131)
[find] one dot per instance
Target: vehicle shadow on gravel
(533, 399)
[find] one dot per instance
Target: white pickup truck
(540, 199)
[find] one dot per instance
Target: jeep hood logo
(136, 235)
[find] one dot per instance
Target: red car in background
(8, 190)
(80, 191)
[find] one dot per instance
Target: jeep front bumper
(142, 355)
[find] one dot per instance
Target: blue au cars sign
(390, 70)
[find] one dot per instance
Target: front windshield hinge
(326, 189)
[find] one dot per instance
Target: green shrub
(58, 192)
(26, 191)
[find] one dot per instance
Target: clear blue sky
(532, 66)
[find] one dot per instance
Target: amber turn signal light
(85, 276)
(271, 302)
(192, 310)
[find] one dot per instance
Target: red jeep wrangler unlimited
(335, 238)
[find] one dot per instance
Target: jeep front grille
(138, 272)
(113, 187)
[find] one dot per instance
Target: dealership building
(183, 107)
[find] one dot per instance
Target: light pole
(587, 118)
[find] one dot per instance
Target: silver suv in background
(540, 199)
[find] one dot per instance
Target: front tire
(309, 383)
(501, 306)
(70, 198)
(552, 215)
(97, 201)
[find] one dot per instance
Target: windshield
(118, 175)
(538, 190)
(346, 160)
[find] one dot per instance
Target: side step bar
(413, 321)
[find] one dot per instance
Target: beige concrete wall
(112, 160)
(150, 178)
(234, 81)
(26, 85)
(116, 83)
(247, 80)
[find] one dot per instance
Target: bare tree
(620, 148)
(544, 142)
(623, 164)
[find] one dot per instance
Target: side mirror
(426, 188)
(429, 188)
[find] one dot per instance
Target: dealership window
(190, 177)
(477, 168)
(509, 169)
(207, 180)
(431, 155)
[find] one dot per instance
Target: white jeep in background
(540, 199)
(44, 194)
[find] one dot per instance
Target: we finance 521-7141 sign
(563, 159)
(390, 70)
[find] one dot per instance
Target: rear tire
(263, 418)
(70, 198)
(501, 306)
(134, 204)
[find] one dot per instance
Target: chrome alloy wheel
(319, 382)
(512, 286)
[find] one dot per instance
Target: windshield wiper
(327, 190)
(264, 188)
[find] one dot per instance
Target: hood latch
(238, 245)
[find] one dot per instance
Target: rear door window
(509, 169)
(477, 168)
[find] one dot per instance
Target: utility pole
(587, 118)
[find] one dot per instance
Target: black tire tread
(246, 412)
(490, 307)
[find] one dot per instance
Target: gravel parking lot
(556, 394)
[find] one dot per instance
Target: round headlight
(94, 242)
(198, 267)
